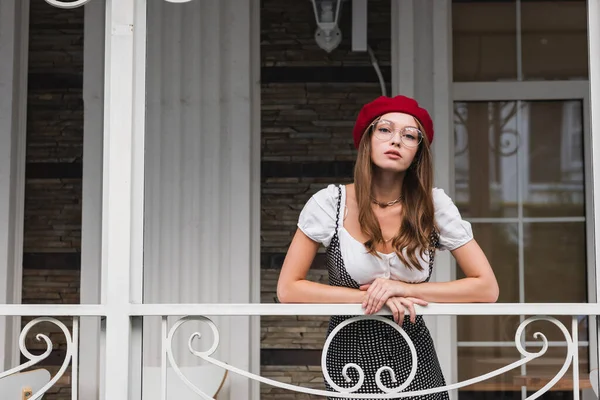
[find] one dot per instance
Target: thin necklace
(389, 203)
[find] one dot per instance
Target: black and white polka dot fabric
(373, 344)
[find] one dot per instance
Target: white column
(91, 218)
(202, 170)
(14, 34)
(443, 155)
(594, 65)
(121, 200)
(422, 60)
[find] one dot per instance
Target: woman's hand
(379, 291)
(398, 304)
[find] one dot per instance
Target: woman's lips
(393, 155)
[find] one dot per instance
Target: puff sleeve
(317, 218)
(454, 231)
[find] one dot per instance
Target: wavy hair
(417, 224)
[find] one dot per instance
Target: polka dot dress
(374, 344)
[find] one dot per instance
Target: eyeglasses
(385, 130)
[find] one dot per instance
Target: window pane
(554, 40)
(541, 370)
(486, 143)
(487, 328)
(555, 159)
(555, 262)
(500, 243)
(476, 361)
(484, 41)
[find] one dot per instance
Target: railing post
(14, 44)
(121, 168)
(594, 73)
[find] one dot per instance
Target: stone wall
(310, 100)
(52, 245)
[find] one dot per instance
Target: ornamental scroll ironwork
(71, 353)
(390, 393)
(79, 3)
(505, 142)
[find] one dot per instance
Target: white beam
(443, 154)
(14, 39)
(120, 166)
(514, 90)
(403, 47)
(91, 218)
(208, 309)
(422, 69)
(359, 25)
(594, 73)
(594, 76)
(247, 309)
(255, 195)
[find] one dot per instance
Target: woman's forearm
(303, 291)
(466, 290)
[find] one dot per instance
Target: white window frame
(532, 91)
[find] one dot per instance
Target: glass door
(520, 181)
(521, 177)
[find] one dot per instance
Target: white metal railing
(202, 312)
(122, 227)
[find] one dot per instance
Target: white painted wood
(443, 154)
(359, 25)
(423, 52)
(210, 310)
(403, 47)
(422, 68)
(12, 386)
(507, 91)
(236, 309)
(14, 39)
(137, 197)
(255, 338)
(91, 218)
(594, 84)
(118, 202)
(594, 74)
(589, 231)
(201, 169)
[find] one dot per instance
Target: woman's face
(395, 141)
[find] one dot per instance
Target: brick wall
(309, 102)
(53, 186)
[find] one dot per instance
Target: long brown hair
(417, 224)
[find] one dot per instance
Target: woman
(381, 234)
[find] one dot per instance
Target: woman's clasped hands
(394, 294)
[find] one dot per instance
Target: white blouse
(317, 221)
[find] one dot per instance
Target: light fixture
(328, 36)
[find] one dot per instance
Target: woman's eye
(384, 130)
(409, 137)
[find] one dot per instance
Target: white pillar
(202, 170)
(594, 65)
(122, 199)
(14, 34)
(422, 68)
(91, 218)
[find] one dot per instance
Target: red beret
(383, 105)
